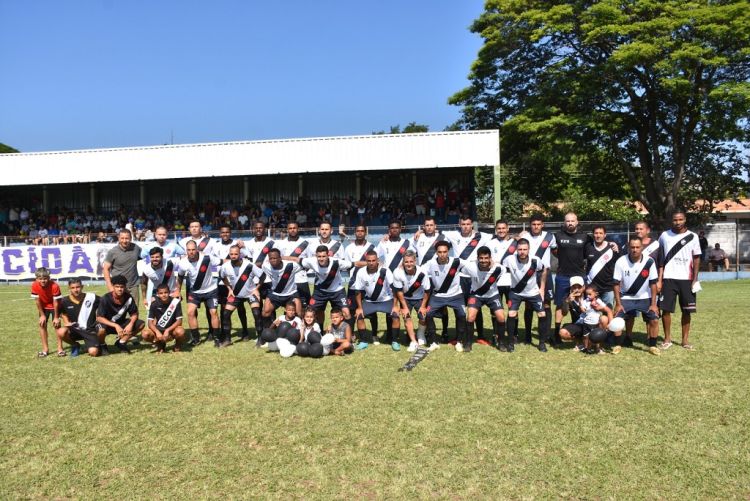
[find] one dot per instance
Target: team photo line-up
(411, 280)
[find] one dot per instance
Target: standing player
(329, 284)
(485, 275)
(600, 263)
(46, 294)
(239, 276)
(415, 284)
(335, 248)
(541, 244)
(391, 252)
(445, 291)
(78, 311)
(156, 272)
(195, 268)
(650, 246)
(424, 243)
(294, 246)
(501, 246)
(635, 278)
(221, 250)
(525, 289)
(465, 244)
(258, 249)
(118, 314)
(164, 321)
(205, 245)
(355, 253)
(377, 292)
(679, 262)
(170, 248)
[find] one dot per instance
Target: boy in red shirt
(47, 295)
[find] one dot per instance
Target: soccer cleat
(122, 347)
(654, 350)
(361, 346)
(433, 347)
(616, 350)
(527, 340)
(396, 346)
(459, 347)
(579, 347)
(412, 347)
(225, 343)
(103, 350)
(542, 347)
(483, 342)
(135, 341)
(511, 347)
(627, 342)
(75, 350)
(467, 348)
(501, 347)
(375, 341)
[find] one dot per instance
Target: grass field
(242, 423)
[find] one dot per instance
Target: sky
(108, 73)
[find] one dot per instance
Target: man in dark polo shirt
(122, 259)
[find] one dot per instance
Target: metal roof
(241, 158)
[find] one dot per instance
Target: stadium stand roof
(241, 158)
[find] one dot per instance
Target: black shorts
(672, 289)
(223, 291)
(89, 337)
(321, 298)
(504, 291)
(436, 304)
(415, 304)
(210, 298)
(303, 289)
(111, 330)
(477, 302)
(577, 330)
(549, 288)
(281, 301)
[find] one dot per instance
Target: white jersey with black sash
(414, 285)
(652, 249)
(676, 253)
(541, 245)
(327, 278)
(523, 275)
(221, 249)
(200, 279)
(335, 248)
(391, 252)
(295, 248)
(282, 278)
(484, 282)
(600, 265)
(241, 277)
(444, 278)
(425, 246)
(501, 249)
(257, 250)
(205, 245)
(635, 278)
(355, 252)
(465, 247)
(376, 286)
(164, 274)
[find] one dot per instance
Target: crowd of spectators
(65, 226)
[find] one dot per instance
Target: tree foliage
(410, 128)
(4, 148)
(629, 93)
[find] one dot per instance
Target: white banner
(62, 261)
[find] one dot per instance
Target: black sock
(461, 330)
(544, 329)
(374, 324)
(430, 331)
(528, 320)
(652, 341)
(479, 324)
(364, 335)
(469, 337)
(226, 324)
(258, 319)
(242, 313)
(500, 332)
(208, 318)
(444, 320)
(558, 339)
(512, 326)
(388, 330)
(195, 334)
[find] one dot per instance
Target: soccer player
(118, 314)
(414, 283)
(170, 248)
(541, 244)
(283, 287)
(650, 246)
(164, 321)
(485, 276)
(600, 263)
(525, 289)
(205, 245)
(294, 245)
(356, 253)
(679, 263)
(501, 246)
(329, 283)
(78, 311)
(195, 269)
(635, 278)
(239, 276)
(122, 260)
(342, 334)
(335, 247)
(258, 249)
(221, 250)
(46, 294)
(156, 272)
(376, 292)
(425, 243)
(391, 250)
(445, 290)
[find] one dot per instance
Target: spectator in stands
(717, 258)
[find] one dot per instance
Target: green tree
(410, 128)
(627, 90)
(4, 148)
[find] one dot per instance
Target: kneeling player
(342, 332)
(78, 311)
(118, 313)
(164, 321)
